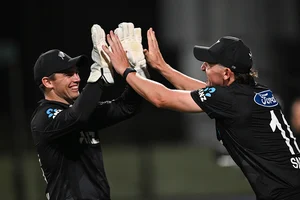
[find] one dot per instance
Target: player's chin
(74, 95)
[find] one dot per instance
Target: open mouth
(74, 88)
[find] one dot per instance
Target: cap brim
(79, 61)
(203, 54)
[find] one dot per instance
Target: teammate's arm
(154, 92)
(156, 60)
(117, 110)
(161, 96)
(69, 119)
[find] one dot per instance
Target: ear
(228, 74)
(47, 82)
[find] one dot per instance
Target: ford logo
(265, 99)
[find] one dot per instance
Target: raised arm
(111, 112)
(161, 96)
(154, 92)
(61, 120)
(155, 60)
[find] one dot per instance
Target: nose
(76, 77)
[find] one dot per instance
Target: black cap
(228, 51)
(54, 61)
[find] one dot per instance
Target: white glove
(131, 39)
(102, 66)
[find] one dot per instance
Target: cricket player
(248, 118)
(64, 125)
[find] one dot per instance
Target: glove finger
(94, 34)
(98, 35)
(121, 25)
(125, 31)
(138, 34)
(130, 27)
(119, 33)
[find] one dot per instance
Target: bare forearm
(180, 80)
(148, 89)
(161, 96)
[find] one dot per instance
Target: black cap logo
(61, 54)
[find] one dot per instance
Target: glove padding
(102, 66)
(131, 40)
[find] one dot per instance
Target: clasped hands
(125, 50)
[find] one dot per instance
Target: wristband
(127, 71)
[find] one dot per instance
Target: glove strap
(127, 71)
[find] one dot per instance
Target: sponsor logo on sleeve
(52, 112)
(206, 92)
(265, 99)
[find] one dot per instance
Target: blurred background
(158, 154)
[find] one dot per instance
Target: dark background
(38, 26)
(29, 28)
(33, 27)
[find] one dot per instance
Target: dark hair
(42, 87)
(247, 78)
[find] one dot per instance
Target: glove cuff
(143, 71)
(100, 72)
(107, 76)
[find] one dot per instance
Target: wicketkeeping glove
(131, 39)
(102, 66)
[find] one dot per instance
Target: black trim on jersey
(218, 104)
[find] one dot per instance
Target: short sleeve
(216, 101)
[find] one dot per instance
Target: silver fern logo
(61, 55)
(206, 92)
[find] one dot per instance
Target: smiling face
(217, 74)
(63, 87)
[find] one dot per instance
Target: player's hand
(131, 40)
(117, 54)
(102, 66)
(153, 55)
